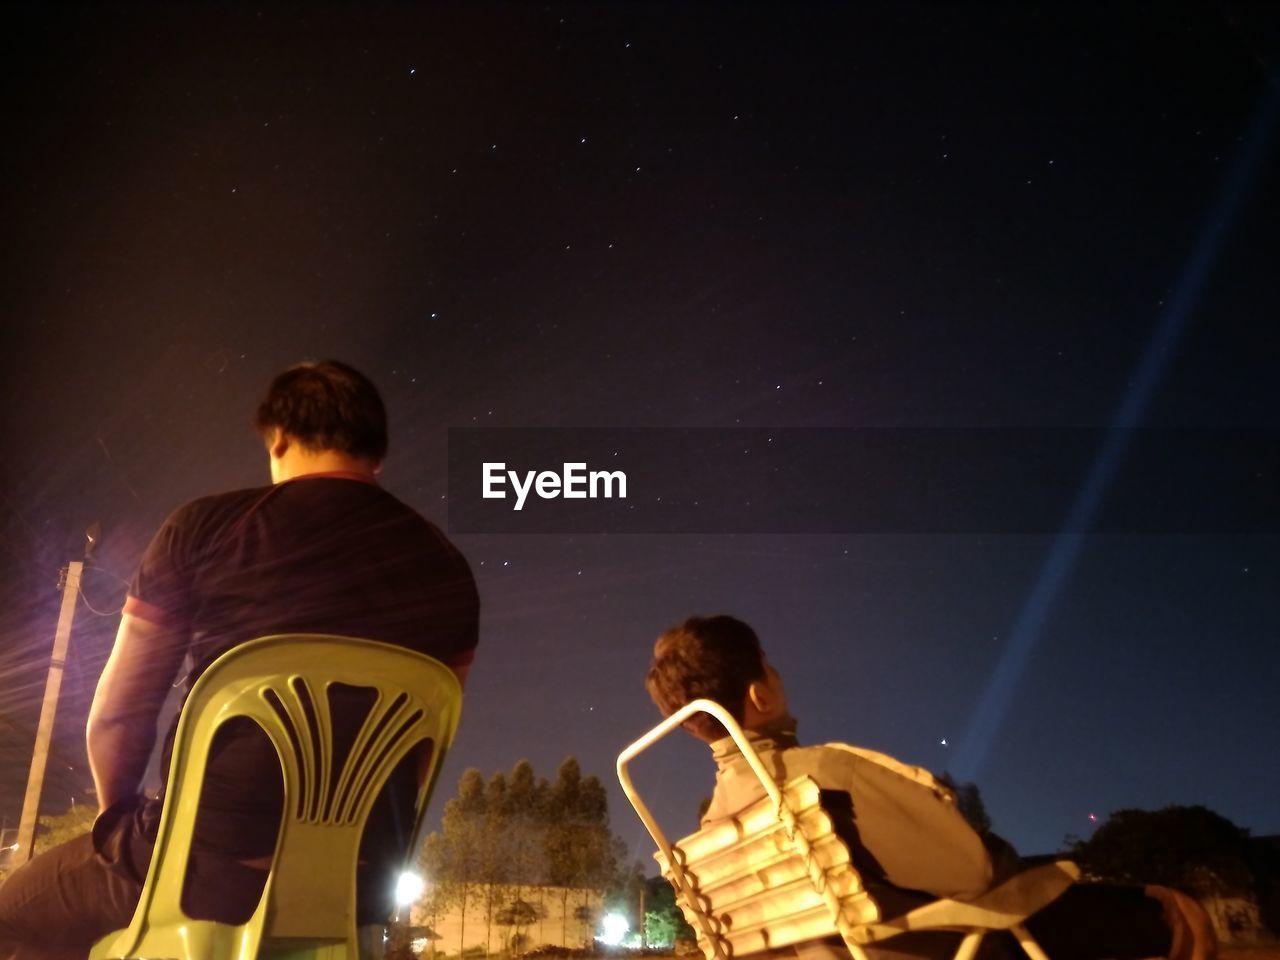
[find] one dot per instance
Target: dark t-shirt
(325, 553)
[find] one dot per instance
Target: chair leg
(969, 945)
(1028, 943)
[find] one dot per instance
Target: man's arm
(460, 671)
(455, 626)
(122, 720)
(424, 750)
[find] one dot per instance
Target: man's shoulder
(216, 504)
(241, 495)
(400, 527)
(389, 501)
(419, 525)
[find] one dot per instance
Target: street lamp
(613, 928)
(409, 888)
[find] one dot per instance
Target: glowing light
(1093, 818)
(409, 888)
(613, 928)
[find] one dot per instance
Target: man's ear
(761, 697)
(278, 443)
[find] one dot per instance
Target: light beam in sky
(997, 696)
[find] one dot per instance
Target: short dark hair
(326, 405)
(713, 657)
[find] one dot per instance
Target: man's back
(318, 554)
(321, 553)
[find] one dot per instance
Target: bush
(1191, 849)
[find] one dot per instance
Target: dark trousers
(66, 899)
(60, 903)
(1088, 922)
(1095, 920)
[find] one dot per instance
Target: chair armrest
(999, 909)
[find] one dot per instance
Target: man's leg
(1096, 920)
(56, 906)
(1193, 934)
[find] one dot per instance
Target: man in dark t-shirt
(320, 553)
(322, 550)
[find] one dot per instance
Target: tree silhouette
(559, 841)
(587, 917)
(1191, 849)
(664, 922)
(501, 840)
(517, 915)
(969, 803)
(453, 858)
(526, 821)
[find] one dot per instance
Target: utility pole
(643, 888)
(6, 852)
(49, 709)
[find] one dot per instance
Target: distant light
(1093, 817)
(409, 888)
(613, 928)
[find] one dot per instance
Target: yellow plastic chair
(777, 874)
(281, 682)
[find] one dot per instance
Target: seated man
(907, 838)
(322, 549)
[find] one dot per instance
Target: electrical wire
(94, 610)
(94, 568)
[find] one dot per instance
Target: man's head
(325, 409)
(718, 658)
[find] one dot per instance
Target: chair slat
(812, 924)
(777, 874)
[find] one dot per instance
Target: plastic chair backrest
(282, 683)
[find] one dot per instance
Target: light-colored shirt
(906, 821)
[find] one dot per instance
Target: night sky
(696, 215)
